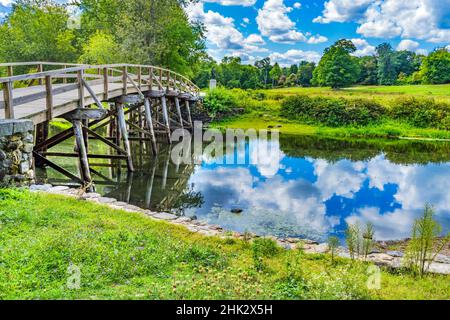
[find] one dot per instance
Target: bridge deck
(36, 110)
(41, 96)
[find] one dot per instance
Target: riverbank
(388, 130)
(263, 109)
(124, 252)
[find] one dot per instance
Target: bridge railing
(66, 77)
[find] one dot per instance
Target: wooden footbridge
(124, 99)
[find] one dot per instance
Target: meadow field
(379, 93)
(263, 109)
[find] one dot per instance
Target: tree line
(155, 32)
(337, 68)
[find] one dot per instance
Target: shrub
(419, 254)
(333, 243)
(422, 113)
(359, 241)
(219, 100)
(263, 248)
(12, 194)
(353, 240)
(333, 112)
(205, 257)
(367, 239)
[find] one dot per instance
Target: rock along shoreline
(390, 259)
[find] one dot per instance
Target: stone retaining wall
(16, 152)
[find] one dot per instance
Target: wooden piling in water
(149, 122)
(166, 118)
(180, 117)
(124, 135)
(82, 154)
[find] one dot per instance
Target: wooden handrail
(77, 67)
(81, 77)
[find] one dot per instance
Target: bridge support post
(180, 117)
(85, 171)
(166, 118)
(149, 122)
(188, 108)
(124, 134)
(41, 134)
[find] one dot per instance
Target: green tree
(387, 73)
(158, 32)
(291, 80)
(275, 74)
(250, 77)
(436, 67)
(305, 73)
(369, 70)
(424, 245)
(406, 62)
(206, 71)
(100, 15)
(337, 68)
(37, 30)
(230, 72)
(264, 68)
(100, 49)
(293, 69)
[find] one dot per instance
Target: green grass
(60, 124)
(265, 113)
(379, 93)
(388, 129)
(129, 256)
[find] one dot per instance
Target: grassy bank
(378, 93)
(124, 255)
(263, 109)
(389, 129)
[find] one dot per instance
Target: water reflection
(312, 190)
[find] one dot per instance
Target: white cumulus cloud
(222, 33)
(294, 57)
(363, 48)
(244, 3)
(420, 19)
(411, 45)
(343, 10)
(274, 22)
(317, 39)
(6, 3)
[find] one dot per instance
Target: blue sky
(292, 30)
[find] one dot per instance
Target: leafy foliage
(332, 112)
(436, 67)
(337, 68)
(219, 100)
(154, 32)
(37, 32)
(359, 240)
(422, 113)
(100, 49)
(423, 248)
(333, 244)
